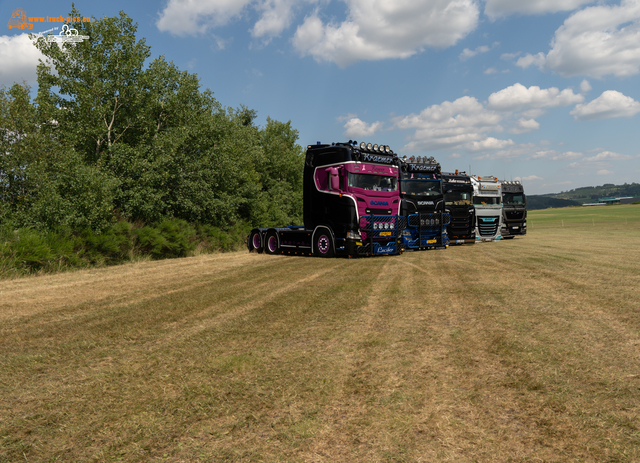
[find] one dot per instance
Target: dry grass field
(526, 350)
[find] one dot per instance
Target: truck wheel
(271, 244)
(255, 242)
(323, 244)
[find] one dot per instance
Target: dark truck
(350, 205)
(458, 203)
(514, 209)
(422, 204)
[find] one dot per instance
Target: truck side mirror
(334, 180)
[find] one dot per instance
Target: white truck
(487, 200)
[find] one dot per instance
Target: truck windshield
(458, 198)
(486, 200)
(516, 199)
(373, 182)
(421, 187)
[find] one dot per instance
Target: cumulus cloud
(585, 86)
(607, 156)
(537, 60)
(519, 97)
(379, 29)
(596, 41)
(458, 123)
(604, 172)
(525, 125)
(356, 128)
(186, 17)
(467, 53)
(531, 178)
(467, 124)
(277, 16)
(489, 143)
(553, 155)
(501, 8)
(19, 58)
(608, 105)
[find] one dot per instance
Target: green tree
(170, 148)
(19, 144)
(99, 98)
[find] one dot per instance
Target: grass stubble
(521, 350)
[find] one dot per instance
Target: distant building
(614, 200)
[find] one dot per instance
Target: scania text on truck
(487, 200)
(422, 204)
(458, 203)
(350, 205)
(514, 209)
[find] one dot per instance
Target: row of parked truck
(364, 200)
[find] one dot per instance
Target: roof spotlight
(387, 149)
(363, 145)
(369, 146)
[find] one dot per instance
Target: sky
(542, 91)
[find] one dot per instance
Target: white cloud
(467, 53)
(19, 58)
(525, 125)
(596, 41)
(553, 155)
(380, 29)
(188, 17)
(531, 178)
(489, 143)
(356, 128)
(449, 124)
(608, 105)
(276, 17)
(509, 56)
(604, 172)
(519, 97)
(607, 156)
(500, 8)
(585, 86)
(537, 60)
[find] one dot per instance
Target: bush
(171, 238)
(28, 250)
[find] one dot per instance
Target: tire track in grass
(128, 283)
(225, 311)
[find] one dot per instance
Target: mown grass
(628, 214)
(523, 350)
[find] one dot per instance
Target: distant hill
(545, 201)
(579, 196)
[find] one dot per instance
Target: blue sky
(545, 91)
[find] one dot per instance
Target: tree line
(108, 139)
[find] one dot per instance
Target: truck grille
(488, 226)
(515, 215)
(459, 213)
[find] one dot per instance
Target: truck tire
(255, 242)
(271, 244)
(323, 244)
